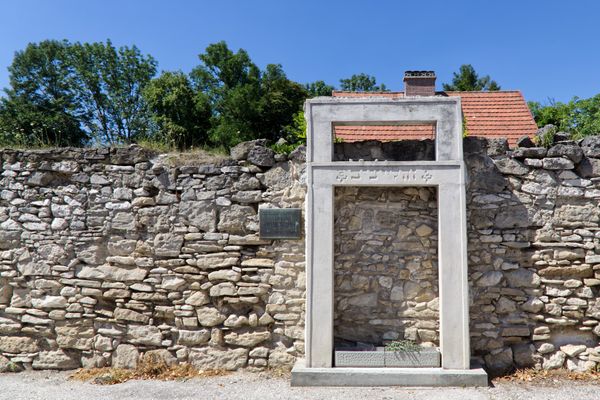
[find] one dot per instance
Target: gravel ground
(56, 386)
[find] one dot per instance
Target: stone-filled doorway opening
(385, 267)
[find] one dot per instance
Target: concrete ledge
(425, 358)
(302, 376)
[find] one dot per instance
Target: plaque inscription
(280, 223)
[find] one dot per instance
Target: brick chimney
(419, 83)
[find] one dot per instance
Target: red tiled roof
(389, 133)
(497, 114)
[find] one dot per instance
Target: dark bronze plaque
(280, 223)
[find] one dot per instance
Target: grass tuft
(278, 372)
(195, 157)
(548, 376)
(150, 367)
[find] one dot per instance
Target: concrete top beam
(323, 113)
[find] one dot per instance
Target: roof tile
(487, 114)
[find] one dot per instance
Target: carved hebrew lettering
(410, 176)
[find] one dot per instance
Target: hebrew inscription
(410, 176)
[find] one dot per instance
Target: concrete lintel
(382, 100)
(323, 113)
(379, 174)
(410, 377)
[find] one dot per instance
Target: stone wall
(405, 150)
(109, 254)
(386, 280)
(534, 250)
(534, 246)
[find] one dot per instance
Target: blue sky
(546, 48)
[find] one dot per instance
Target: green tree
(109, 83)
(246, 103)
(231, 82)
(318, 88)
(41, 107)
(580, 117)
(280, 100)
(181, 113)
(70, 94)
(585, 116)
(362, 83)
(467, 80)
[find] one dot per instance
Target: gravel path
(55, 386)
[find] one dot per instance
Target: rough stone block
(209, 358)
(58, 359)
(193, 338)
(18, 344)
(125, 356)
(144, 334)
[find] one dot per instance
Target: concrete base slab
(302, 376)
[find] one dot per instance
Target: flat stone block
(410, 377)
(427, 357)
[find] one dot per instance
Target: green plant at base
(404, 346)
(12, 367)
(285, 148)
(546, 139)
(294, 135)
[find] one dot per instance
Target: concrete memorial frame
(447, 173)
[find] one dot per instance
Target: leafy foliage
(296, 131)
(247, 103)
(73, 94)
(585, 116)
(281, 99)
(362, 83)
(181, 113)
(294, 135)
(318, 88)
(466, 79)
(76, 94)
(41, 107)
(580, 117)
(554, 113)
(110, 82)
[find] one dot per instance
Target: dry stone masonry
(110, 254)
(534, 240)
(386, 281)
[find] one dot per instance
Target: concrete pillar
(452, 261)
(320, 304)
